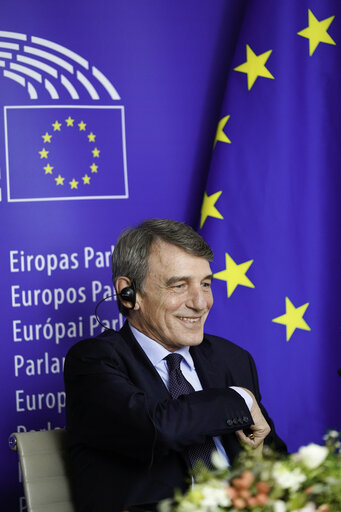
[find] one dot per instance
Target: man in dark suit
(131, 443)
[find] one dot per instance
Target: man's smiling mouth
(190, 319)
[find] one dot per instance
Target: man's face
(177, 297)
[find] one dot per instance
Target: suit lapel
(142, 371)
(207, 372)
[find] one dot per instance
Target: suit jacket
(127, 436)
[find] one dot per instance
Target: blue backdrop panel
(108, 117)
(109, 114)
(272, 210)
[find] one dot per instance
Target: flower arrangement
(306, 481)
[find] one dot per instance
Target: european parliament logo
(65, 152)
(57, 152)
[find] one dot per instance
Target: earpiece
(129, 294)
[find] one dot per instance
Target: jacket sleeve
(107, 411)
(242, 372)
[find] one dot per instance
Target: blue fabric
(272, 206)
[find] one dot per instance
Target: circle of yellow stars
(44, 153)
(234, 274)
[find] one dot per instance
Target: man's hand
(260, 428)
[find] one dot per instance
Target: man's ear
(126, 292)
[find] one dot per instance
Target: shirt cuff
(244, 394)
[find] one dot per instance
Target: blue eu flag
(65, 152)
(271, 210)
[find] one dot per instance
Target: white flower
(287, 479)
(206, 497)
(214, 496)
(332, 434)
(279, 506)
(312, 455)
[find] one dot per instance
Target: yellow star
(86, 180)
(43, 153)
(93, 167)
(293, 318)
(74, 183)
(69, 121)
(234, 274)
(254, 66)
(208, 208)
(95, 153)
(47, 137)
(48, 169)
(59, 180)
(56, 126)
(220, 134)
(82, 126)
(316, 32)
(91, 137)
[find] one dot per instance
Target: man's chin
(192, 341)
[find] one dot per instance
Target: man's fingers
(253, 442)
(240, 434)
(260, 428)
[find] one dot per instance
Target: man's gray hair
(132, 249)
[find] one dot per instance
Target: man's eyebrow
(176, 279)
(209, 276)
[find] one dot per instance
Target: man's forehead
(169, 257)
(167, 250)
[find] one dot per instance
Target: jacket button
(235, 421)
(246, 419)
(229, 422)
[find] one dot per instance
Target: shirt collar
(156, 352)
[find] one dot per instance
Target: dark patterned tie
(178, 385)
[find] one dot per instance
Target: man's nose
(198, 298)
